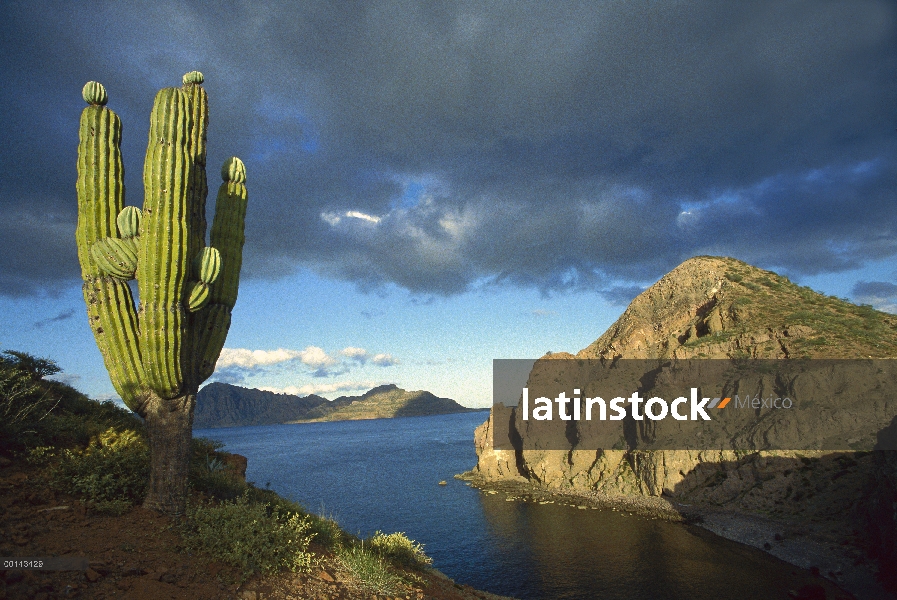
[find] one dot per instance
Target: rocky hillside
(385, 402)
(225, 405)
(714, 307)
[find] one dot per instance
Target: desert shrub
(254, 537)
(371, 570)
(111, 473)
(327, 531)
(400, 549)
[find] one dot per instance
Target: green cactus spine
(158, 355)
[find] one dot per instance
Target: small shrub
(327, 532)
(399, 548)
(371, 570)
(251, 536)
(111, 472)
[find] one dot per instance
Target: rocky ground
(137, 556)
(838, 567)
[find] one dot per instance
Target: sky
(436, 185)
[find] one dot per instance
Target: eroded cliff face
(712, 307)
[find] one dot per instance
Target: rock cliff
(714, 307)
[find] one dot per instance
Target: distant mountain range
(225, 405)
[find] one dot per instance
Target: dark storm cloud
(63, 316)
(440, 148)
(880, 294)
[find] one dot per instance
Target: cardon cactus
(158, 353)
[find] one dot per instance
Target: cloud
(441, 148)
(356, 353)
(244, 358)
(880, 294)
(384, 360)
(63, 316)
(250, 359)
(542, 312)
(362, 356)
(235, 365)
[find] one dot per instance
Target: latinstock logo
(714, 404)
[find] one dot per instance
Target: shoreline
(802, 545)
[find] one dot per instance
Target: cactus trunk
(169, 427)
(158, 354)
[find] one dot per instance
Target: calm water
(383, 475)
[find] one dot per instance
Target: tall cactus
(159, 353)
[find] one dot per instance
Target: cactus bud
(199, 295)
(207, 265)
(193, 77)
(129, 221)
(115, 257)
(94, 93)
(233, 170)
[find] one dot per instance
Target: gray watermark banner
(710, 404)
(44, 563)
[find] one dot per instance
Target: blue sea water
(384, 474)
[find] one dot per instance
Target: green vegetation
(400, 549)
(110, 474)
(98, 453)
(256, 537)
(371, 570)
(758, 300)
(158, 355)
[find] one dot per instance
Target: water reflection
(596, 554)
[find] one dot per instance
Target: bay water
(384, 474)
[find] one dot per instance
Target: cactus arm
(162, 265)
(100, 188)
(197, 188)
(100, 185)
(115, 329)
(227, 236)
(227, 231)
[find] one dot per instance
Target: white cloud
(363, 356)
(333, 219)
(364, 217)
(384, 360)
(316, 357)
(250, 359)
(357, 353)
